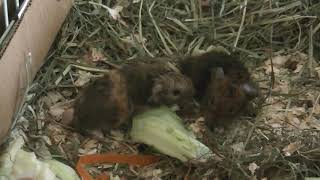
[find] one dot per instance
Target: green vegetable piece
(162, 129)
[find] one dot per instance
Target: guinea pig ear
(250, 89)
(217, 73)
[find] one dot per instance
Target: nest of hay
(282, 141)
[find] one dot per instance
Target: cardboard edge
(34, 35)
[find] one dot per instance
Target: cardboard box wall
(11, 7)
(35, 34)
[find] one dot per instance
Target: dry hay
(281, 142)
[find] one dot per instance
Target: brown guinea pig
(222, 83)
(199, 67)
(152, 81)
(224, 100)
(110, 101)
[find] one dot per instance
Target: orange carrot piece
(141, 160)
(82, 172)
(103, 176)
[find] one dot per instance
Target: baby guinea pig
(222, 83)
(224, 100)
(199, 67)
(112, 100)
(151, 81)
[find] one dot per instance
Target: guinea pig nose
(250, 89)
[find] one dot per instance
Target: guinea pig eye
(212, 101)
(176, 92)
(231, 110)
(230, 92)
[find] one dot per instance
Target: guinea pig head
(172, 88)
(226, 98)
